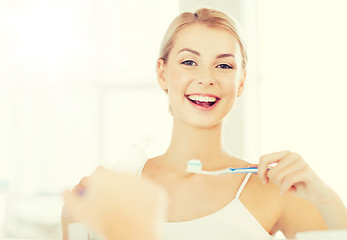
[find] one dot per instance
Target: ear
(242, 83)
(161, 74)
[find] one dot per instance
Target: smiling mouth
(203, 101)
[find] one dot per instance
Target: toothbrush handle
(245, 170)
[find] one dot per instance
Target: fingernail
(81, 191)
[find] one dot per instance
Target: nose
(209, 83)
(206, 78)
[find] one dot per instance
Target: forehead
(206, 39)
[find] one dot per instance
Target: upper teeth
(202, 98)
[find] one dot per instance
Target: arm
(119, 206)
(312, 196)
(334, 211)
(299, 215)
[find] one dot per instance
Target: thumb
(252, 165)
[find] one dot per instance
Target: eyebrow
(223, 55)
(189, 50)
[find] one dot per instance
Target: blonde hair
(209, 17)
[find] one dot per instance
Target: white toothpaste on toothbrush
(195, 166)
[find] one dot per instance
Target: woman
(202, 68)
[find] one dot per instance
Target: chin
(201, 123)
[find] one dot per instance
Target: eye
(189, 63)
(225, 66)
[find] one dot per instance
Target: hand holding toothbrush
(293, 174)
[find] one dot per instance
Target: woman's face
(203, 75)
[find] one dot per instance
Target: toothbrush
(195, 166)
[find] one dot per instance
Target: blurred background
(78, 87)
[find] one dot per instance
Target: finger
(253, 165)
(293, 180)
(84, 181)
(278, 176)
(266, 160)
(272, 157)
(291, 163)
(80, 188)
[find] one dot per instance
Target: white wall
(66, 66)
(304, 82)
(77, 86)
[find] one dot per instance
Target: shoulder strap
(243, 185)
(141, 167)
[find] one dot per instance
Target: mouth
(204, 101)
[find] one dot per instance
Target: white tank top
(234, 221)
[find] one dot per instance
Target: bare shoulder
(289, 213)
(151, 167)
(257, 191)
(263, 202)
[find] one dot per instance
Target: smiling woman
(195, 69)
(202, 68)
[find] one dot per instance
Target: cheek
(230, 88)
(178, 81)
(232, 81)
(229, 96)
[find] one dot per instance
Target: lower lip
(204, 108)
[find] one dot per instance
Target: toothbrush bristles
(194, 165)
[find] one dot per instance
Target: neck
(190, 142)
